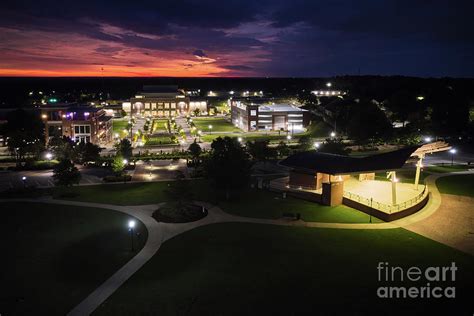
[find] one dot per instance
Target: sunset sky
(275, 38)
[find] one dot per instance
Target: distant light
(116, 135)
(23, 178)
(333, 134)
(427, 139)
(53, 100)
(49, 156)
(210, 126)
(328, 85)
(231, 92)
(125, 161)
(239, 139)
(452, 151)
(131, 224)
(44, 116)
(316, 145)
(420, 98)
(288, 137)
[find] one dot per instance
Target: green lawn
(265, 204)
(458, 185)
(159, 125)
(218, 125)
(251, 269)
(118, 127)
(446, 168)
(247, 202)
(159, 140)
(53, 256)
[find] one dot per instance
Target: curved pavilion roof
(314, 161)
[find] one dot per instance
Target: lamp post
(452, 151)
(49, 156)
(125, 162)
(288, 137)
(24, 181)
(316, 145)
(131, 226)
(210, 129)
(333, 134)
(199, 132)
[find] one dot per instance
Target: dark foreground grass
(251, 269)
(265, 204)
(53, 256)
(246, 202)
(458, 185)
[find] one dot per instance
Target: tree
(228, 165)
(84, 152)
(124, 148)
(62, 147)
(259, 150)
(25, 134)
(118, 165)
(282, 149)
(334, 146)
(367, 123)
(304, 143)
(65, 173)
(195, 151)
(180, 191)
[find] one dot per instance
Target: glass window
(88, 129)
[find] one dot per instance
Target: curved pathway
(160, 232)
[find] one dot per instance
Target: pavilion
(332, 180)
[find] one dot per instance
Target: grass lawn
(218, 125)
(159, 140)
(248, 202)
(55, 255)
(446, 168)
(118, 125)
(159, 126)
(458, 185)
(266, 204)
(251, 269)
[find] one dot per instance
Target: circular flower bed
(173, 213)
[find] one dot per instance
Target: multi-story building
(163, 101)
(80, 123)
(271, 117)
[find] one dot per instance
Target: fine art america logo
(435, 281)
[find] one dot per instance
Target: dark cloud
(238, 67)
(199, 53)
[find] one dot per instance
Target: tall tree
(195, 151)
(259, 150)
(228, 165)
(65, 173)
(84, 152)
(25, 132)
(124, 148)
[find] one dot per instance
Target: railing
(387, 208)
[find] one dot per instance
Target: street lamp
(333, 134)
(316, 145)
(125, 161)
(131, 226)
(210, 129)
(49, 156)
(427, 139)
(199, 135)
(452, 151)
(239, 139)
(288, 137)
(24, 181)
(328, 85)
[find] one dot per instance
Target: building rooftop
(314, 161)
(280, 108)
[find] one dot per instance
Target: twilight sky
(275, 38)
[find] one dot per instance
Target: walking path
(161, 232)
